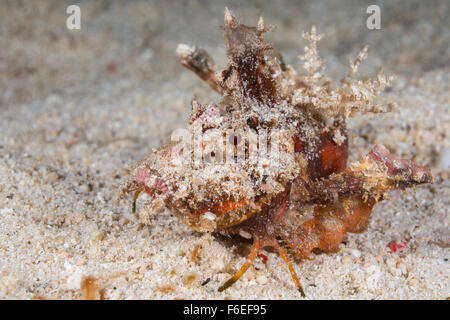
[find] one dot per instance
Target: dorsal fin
(246, 50)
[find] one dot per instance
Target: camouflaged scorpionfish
(269, 160)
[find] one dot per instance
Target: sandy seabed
(78, 108)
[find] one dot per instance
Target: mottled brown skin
(326, 230)
(341, 197)
(333, 157)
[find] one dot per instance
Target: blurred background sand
(77, 108)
